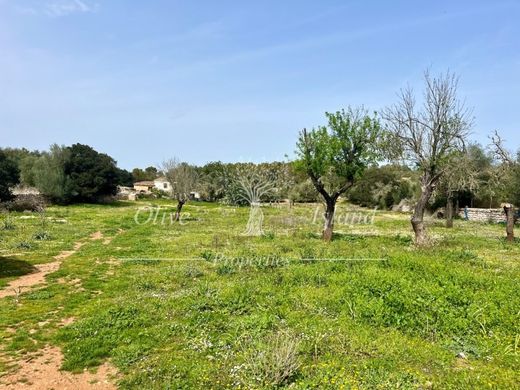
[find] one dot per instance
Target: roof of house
(144, 183)
(161, 179)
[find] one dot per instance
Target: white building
(162, 183)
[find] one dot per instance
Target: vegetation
(428, 137)
(70, 174)
(334, 156)
(183, 178)
(197, 305)
(249, 289)
(384, 187)
(149, 173)
(9, 176)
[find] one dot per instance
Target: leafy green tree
(148, 174)
(124, 178)
(383, 186)
(303, 191)
(25, 160)
(48, 172)
(335, 156)
(462, 175)
(27, 173)
(215, 179)
(89, 175)
(9, 176)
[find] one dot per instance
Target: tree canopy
(9, 176)
(335, 155)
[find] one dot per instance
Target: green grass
(198, 305)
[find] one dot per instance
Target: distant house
(162, 183)
(144, 187)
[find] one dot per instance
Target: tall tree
(90, 175)
(124, 178)
(9, 176)
(334, 156)
(48, 172)
(427, 136)
(183, 178)
(149, 173)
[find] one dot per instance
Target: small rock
(462, 355)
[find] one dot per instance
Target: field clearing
(197, 304)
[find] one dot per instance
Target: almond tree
(334, 156)
(427, 135)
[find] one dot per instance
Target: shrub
(275, 362)
(28, 202)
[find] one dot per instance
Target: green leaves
(337, 154)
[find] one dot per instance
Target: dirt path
(25, 282)
(42, 372)
(17, 286)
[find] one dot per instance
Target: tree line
(415, 151)
(63, 174)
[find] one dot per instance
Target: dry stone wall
(483, 215)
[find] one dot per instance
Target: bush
(383, 187)
(303, 192)
(26, 203)
(275, 362)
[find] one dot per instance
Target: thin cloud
(26, 10)
(66, 7)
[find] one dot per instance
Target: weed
(275, 362)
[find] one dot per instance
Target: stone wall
(484, 215)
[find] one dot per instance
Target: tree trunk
(329, 220)
(449, 211)
(179, 209)
(510, 222)
(418, 214)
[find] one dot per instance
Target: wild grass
(198, 305)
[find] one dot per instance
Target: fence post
(510, 221)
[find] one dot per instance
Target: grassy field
(198, 305)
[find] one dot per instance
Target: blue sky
(236, 80)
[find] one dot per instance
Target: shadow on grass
(10, 267)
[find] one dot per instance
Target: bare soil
(42, 371)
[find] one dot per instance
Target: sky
(144, 81)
